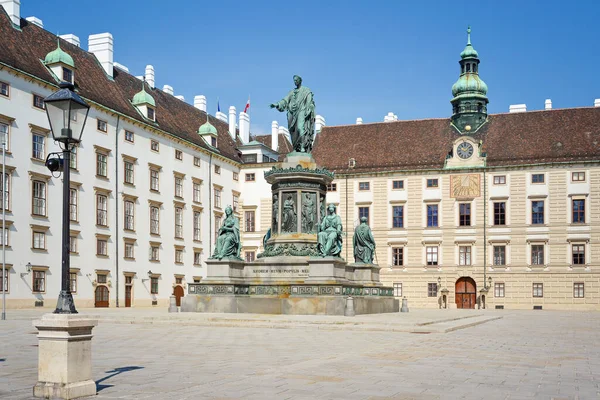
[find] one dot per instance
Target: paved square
(524, 355)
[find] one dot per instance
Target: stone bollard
(172, 304)
(404, 305)
(349, 310)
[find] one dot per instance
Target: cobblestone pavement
(524, 355)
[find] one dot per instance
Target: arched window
(468, 67)
(479, 107)
(474, 67)
(462, 69)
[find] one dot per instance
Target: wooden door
(101, 297)
(466, 292)
(178, 293)
(127, 295)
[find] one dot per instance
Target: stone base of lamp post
(65, 356)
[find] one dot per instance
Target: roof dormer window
(145, 103)
(67, 75)
(150, 113)
(213, 141)
(60, 64)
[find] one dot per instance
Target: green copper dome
(469, 83)
(142, 97)
(59, 56)
(207, 128)
(469, 51)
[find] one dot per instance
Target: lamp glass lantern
(67, 113)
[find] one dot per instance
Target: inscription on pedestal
(276, 272)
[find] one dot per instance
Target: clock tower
(469, 105)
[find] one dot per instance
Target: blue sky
(360, 58)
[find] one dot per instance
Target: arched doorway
(466, 292)
(101, 296)
(178, 293)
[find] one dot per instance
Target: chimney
(232, 118)
(122, 67)
(221, 116)
(200, 102)
(102, 47)
(180, 97)
(548, 104)
(516, 108)
(73, 40)
(13, 9)
(274, 135)
(140, 77)
(35, 21)
(597, 103)
(150, 75)
(359, 121)
(389, 117)
(286, 132)
(244, 127)
(319, 123)
(168, 89)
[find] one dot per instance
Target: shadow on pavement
(112, 373)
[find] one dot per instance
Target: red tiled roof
(284, 145)
(25, 50)
(558, 135)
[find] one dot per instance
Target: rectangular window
(37, 147)
(236, 176)
(217, 227)
(101, 165)
(178, 186)
(363, 212)
(196, 161)
(39, 240)
(578, 176)
(38, 102)
(249, 158)
(129, 136)
(464, 255)
(67, 75)
(154, 222)
(217, 198)
(150, 113)
(398, 216)
(6, 196)
(537, 254)
(249, 218)
(73, 158)
(432, 183)
(578, 254)
(4, 89)
(397, 289)
(4, 134)
(432, 215)
(101, 278)
(464, 217)
(129, 250)
(432, 290)
(197, 258)
(500, 180)
(102, 247)
(101, 210)
(236, 202)
(500, 213)
(179, 256)
(197, 194)
(364, 186)
(217, 169)
(537, 212)
(179, 222)
(129, 215)
(154, 255)
(578, 290)
(39, 198)
(39, 281)
(73, 204)
(397, 256)
(178, 155)
(154, 145)
(4, 280)
(537, 178)
(498, 289)
(72, 244)
(332, 187)
(5, 239)
(499, 255)
(73, 282)
(154, 180)
(432, 255)
(153, 285)
(398, 185)
(102, 126)
(128, 168)
(197, 226)
(579, 211)
(250, 256)
(213, 143)
(250, 177)
(538, 290)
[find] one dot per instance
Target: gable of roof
(24, 50)
(559, 135)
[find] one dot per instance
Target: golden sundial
(464, 186)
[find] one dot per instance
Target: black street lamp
(67, 113)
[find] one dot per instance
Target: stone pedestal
(365, 274)
(327, 270)
(65, 356)
(224, 271)
(172, 304)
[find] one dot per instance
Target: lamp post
(67, 113)
(4, 282)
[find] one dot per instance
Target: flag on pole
(218, 106)
(247, 105)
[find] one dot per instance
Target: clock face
(465, 150)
